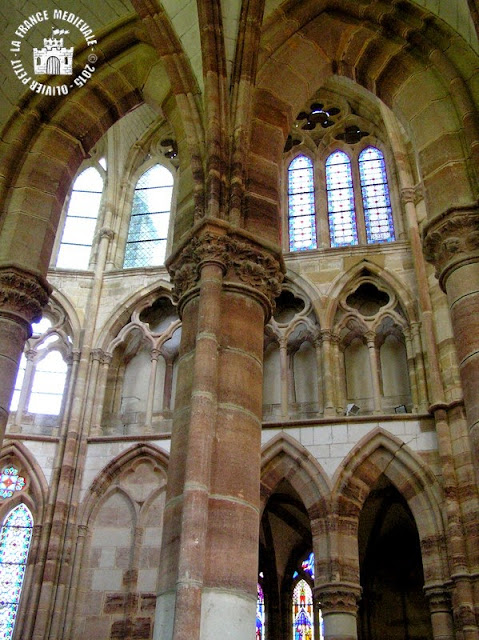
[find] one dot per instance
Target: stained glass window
(308, 565)
(80, 223)
(375, 192)
(260, 614)
(15, 538)
(150, 216)
(301, 215)
(341, 211)
(303, 616)
(10, 482)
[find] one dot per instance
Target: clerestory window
(150, 216)
(356, 196)
(80, 221)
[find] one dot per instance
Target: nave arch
(334, 508)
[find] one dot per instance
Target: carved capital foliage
(22, 295)
(338, 597)
(242, 260)
(451, 240)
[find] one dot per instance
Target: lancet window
(150, 216)
(80, 221)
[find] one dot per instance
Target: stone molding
(244, 262)
(22, 295)
(338, 597)
(452, 240)
(439, 599)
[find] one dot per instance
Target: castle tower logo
(54, 58)
(52, 70)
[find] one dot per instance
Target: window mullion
(358, 203)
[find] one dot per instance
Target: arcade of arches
(239, 335)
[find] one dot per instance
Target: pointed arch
(283, 457)
(295, 33)
(122, 312)
(36, 490)
(365, 266)
(381, 453)
(104, 480)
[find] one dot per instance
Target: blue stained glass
(341, 211)
(308, 565)
(10, 481)
(301, 214)
(303, 621)
(375, 192)
(260, 614)
(15, 538)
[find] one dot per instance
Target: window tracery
(373, 339)
(356, 191)
(292, 376)
(146, 349)
(43, 372)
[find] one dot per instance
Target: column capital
(22, 295)
(338, 597)
(439, 598)
(246, 263)
(451, 240)
(412, 194)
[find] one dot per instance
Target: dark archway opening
(393, 604)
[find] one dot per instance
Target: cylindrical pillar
(22, 296)
(339, 607)
(209, 557)
(451, 243)
(441, 613)
(283, 364)
(327, 370)
(154, 355)
(373, 363)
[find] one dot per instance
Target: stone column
(283, 363)
(25, 390)
(373, 363)
(96, 427)
(154, 355)
(441, 617)
(451, 243)
(22, 297)
(225, 282)
(339, 606)
(328, 374)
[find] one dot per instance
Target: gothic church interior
(239, 336)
